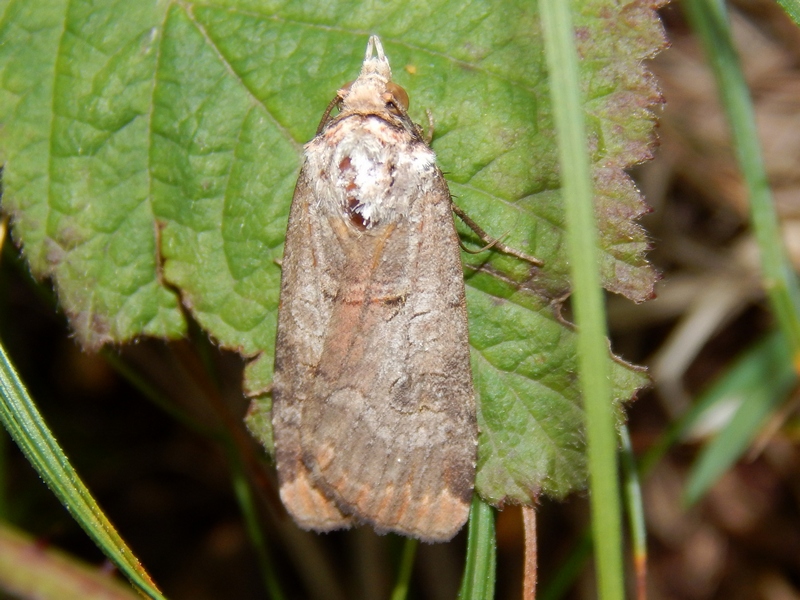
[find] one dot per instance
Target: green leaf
(524, 362)
(76, 106)
(151, 151)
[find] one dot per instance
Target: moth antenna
(429, 133)
(337, 101)
(490, 241)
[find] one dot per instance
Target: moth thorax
(365, 182)
(376, 173)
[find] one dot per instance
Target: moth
(373, 403)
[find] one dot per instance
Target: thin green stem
(153, 394)
(247, 505)
(4, 506)
(400, 591)
(479, 571)
(635, 511)
(232, 436)
(587, 299)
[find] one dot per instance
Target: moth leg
(490, 241)
(488, 246)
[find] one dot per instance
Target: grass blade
(28, 429)
(709, 19)
(756, 384)
(587, 301)
(792, 8)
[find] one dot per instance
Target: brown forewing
(373, 408)
(307, 288)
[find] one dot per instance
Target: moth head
(374, 89)
(395, 97)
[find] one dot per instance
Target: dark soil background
(168, 488)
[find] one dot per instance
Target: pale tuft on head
(375, 61)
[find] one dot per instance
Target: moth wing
(392, 434)
(305, 309)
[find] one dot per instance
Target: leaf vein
(229, 67)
